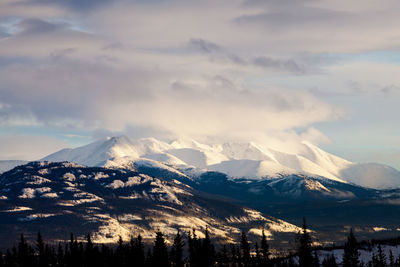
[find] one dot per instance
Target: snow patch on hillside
(17, 209)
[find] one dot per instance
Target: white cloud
(79, 80)
(174, 68)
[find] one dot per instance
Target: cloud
(285, 65)
(219, 54)
(77, 5)
(72, 81)
(38, 26)
(315, 136)
(241, 69)
(279, 16)
(3, 32)
(204, 46)
(220, 111)
(29, 9)
(68, 90)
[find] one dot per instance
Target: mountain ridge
(238, 160)
(109, 203)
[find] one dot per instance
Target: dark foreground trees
(351, 255)
(304, 247)
(196, 251)
(199, 252)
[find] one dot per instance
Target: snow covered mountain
(116, 186)
(237, 160)
(113, 202)
(109, 203)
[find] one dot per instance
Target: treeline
(190, 252)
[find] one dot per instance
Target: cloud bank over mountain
(248, 70)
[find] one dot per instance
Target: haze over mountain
(237, 160)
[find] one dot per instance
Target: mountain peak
(237, 159)
(118, 139)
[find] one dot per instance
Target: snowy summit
(237, 160)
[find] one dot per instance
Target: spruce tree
(374, 260)
(52, 257)
(89, 257)
(149, 259)
(391, 259)
(351, 254)
(224, 261)
(397, 262)
(120, 253)
(381, 257)
(60, 255)
(191, 247)
(265, 253)
(73, 257)
(234, 256)
(207, 251)
(40, 251)
(195, 249)
(315, 259)
(329, 261)
(177, 251)
(291, 262)
(245, 250)
(304, 247)
(107, 256)
(25, 254)
(160, 251)
(10, 257)
(238, 256)
(257, 260)
(137, 251)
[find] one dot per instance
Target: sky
(272, 71)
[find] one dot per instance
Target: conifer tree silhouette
(264, 253)
(40, 248)
(245, 249)
(329, 261)
(194, 245)
(160, 251)
(60, 256)
(351, 254)
(149, 258)
(223, 258)
(315, 259)
(234, 256)
(25, 254)
(304, 247)
(137, 252)
(391, 259)
(207, 252)
(90, 253)
(119, 255)
(177, 251)
(381, 257)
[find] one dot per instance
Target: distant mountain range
(116, 187)
(6, 165)
(237, 160)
